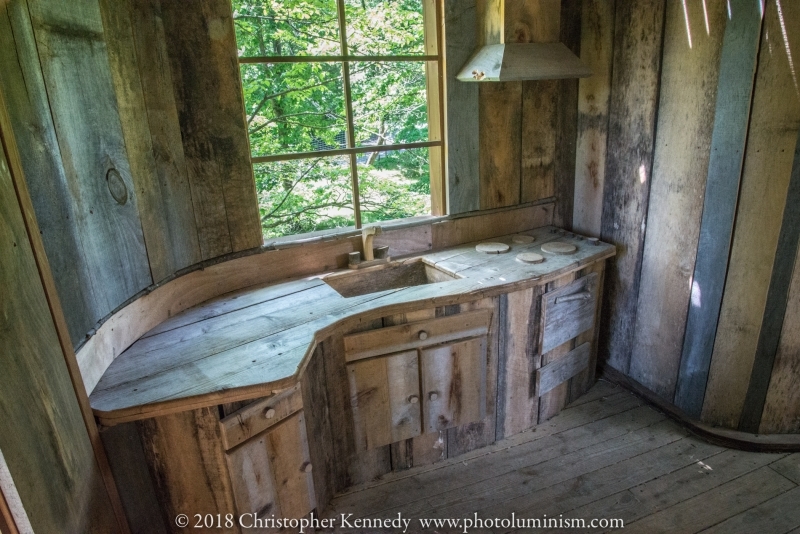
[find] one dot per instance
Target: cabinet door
(384, 394)
(454, 383)
(271, 472)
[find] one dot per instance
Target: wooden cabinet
(438, 382)
(270, 472)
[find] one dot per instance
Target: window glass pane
(389, 102)
(294, 107)
(394, 184)
(286, 27)
(384, 27)
(306, 195)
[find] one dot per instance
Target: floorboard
(605, 456)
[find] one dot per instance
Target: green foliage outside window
(298, 107)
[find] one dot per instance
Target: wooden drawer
(568, 311)
(415, 335)
(258, 416)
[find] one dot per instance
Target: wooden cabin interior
(598, 316)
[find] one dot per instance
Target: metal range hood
(498, 61)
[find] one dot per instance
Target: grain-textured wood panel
(287, 445)
(477, 434)
(462, 109)
(80, 91)
(539, 125)
(257, 416)
(552, 402)
(584, 380)
(567, 124)
(205, 74)
(318, 423)
(485, 225)
(557, 372)
(768, 155)
(780, 333)
(517, 399)
(733, 112)
(453, 384)
(385, 396)
(13, 516)
(500, 106)
(49, 454)
(140, 71)
(568, 311)
(594, 93)
(690, 70)
(638, 29)
(532, 21)
(39, 152)
(253, 481)
(417, 334)
(185, 449)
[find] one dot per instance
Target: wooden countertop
(251, 342)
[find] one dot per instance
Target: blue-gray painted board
(731, 122)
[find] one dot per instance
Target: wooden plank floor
(607, 456)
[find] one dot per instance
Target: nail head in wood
(269, 413)
(413, 399)
(433, 396)
(423, 335)
(306, 467)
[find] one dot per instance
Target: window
(343, 103)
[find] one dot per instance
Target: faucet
(367, 234)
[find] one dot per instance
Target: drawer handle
(433, 395)
(306, 467)
(413, 399)
(269, 413)
(423, 335)
(583, 295)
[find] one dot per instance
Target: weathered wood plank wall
(700, 197)
(138, 164)
(46, 442)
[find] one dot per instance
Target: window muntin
(343, 131)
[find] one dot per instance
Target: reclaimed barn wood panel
(185, 450)
(386, 400)
(205, 74)
(39, 152)
(257, 416)
(47, 450)
(580, 384)
(689, 74)
(567, 124)
(638, 29)
(316, 409)
(140, 71)
(351, 466)
(462, 109)
(253, 481)
(764, 183)
(555, 373)
(568, 311)
(453, 384)
(780, 333)
(423, 449)
(80, 91)
(287, 446)
(517, 399)
(500, 129)
(536, 21)
(552, 402)
(594, 93)
(477, 434)
(737, 68)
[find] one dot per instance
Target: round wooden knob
(413, 399)
(433, 395)
(269, 413)
(306, 467)
(423, 335)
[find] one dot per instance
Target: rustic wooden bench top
(254, 341)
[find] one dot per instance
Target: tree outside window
(343, 107)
